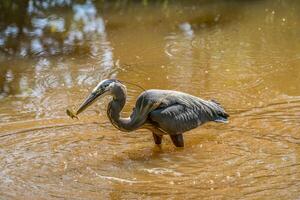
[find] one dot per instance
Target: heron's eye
(105, 85)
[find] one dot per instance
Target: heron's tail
(221, 115)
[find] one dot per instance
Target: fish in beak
(99, 91)
(86, 103)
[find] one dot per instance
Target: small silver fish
(71, 114)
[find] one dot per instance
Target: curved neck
(115, 107)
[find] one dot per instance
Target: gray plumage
(164, 112)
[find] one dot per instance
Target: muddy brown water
(245, 54)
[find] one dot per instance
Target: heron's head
(105, 87)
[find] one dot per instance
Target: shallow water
(245, 54)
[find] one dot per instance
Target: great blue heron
(164, 112)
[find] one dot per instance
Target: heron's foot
(177, 140)
(157, 138)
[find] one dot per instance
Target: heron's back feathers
(177, 112)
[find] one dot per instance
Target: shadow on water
(245, 54)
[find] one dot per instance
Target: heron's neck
(114, 109)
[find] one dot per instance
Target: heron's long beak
(89, 100)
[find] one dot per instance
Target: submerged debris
(71, 114)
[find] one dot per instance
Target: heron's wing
(141, 111)
(187, 113)
(174, 119)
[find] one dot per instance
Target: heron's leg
(177, 140)
(157, 138)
